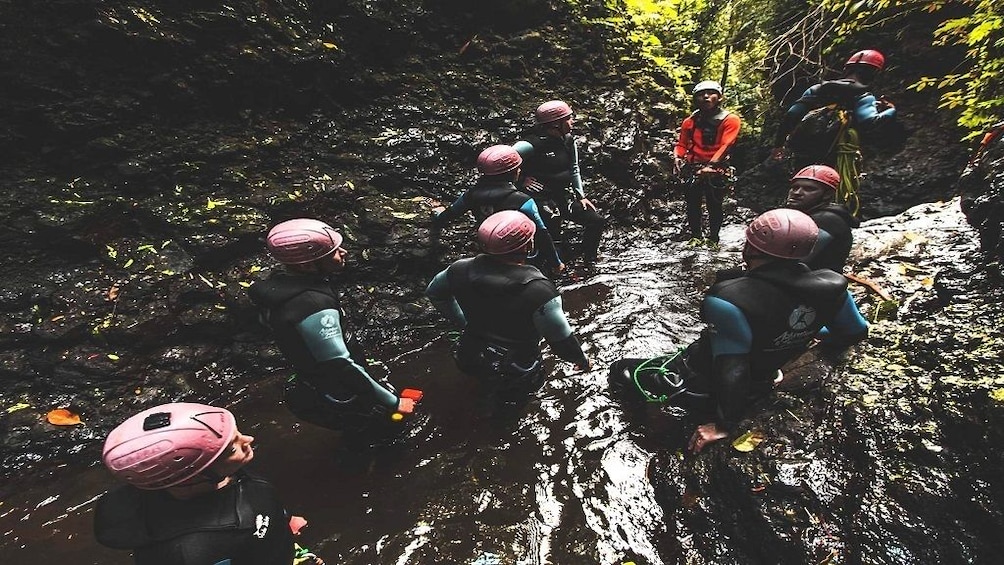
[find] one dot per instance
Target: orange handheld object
(412, 393)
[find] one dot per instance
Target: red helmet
(169, 444)
(499, 159)
(784, 233)
(302, 240)
(869, 57)
(827, 176)
(505, 232)
(551, 112)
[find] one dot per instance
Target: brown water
(561, 480)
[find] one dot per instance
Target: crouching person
(757, 320)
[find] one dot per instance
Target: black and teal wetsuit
(241, 524)
(504, 309)
(847, 94)
(489, 196)
(332, 387)
(554, 163)
(756, 322)
(833, 245)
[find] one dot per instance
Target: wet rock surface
(151, 149)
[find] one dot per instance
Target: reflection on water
(562, 479)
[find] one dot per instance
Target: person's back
(785, 304)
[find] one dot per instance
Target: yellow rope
(848, 155)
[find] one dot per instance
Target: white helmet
(708, 85)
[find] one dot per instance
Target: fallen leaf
(748, 441)
(330, 45)
(18, 406)
(403, 215)
(113, 292)
(63, 417)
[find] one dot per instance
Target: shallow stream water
(561, 479)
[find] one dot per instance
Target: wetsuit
(241, 524)
(505, 309)
(705, 140)
(847, 94)
(757, 321)
(554, 163)
(489, 196)
(331, 387)
(834, 243)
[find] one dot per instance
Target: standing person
(188, 499)
(702, 154)
(505, 307)
(812, 191)
(499, 166)
(332, 387)
(551, 175)
(757, 321)
(823, 125)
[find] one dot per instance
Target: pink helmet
(499, 159)
(505, 232)
(784, 233)
(302, 240)
(166, 445)
(827, 176)
(869, 57)
(551, 112)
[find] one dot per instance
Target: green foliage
(973, 91)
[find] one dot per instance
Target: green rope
(848, 156)
(661, 369)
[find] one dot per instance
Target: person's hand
(707, 170)
(532, 184)
(704, 435)
(882, 104)
(584, 366)
(777, 153)
(677, 165)
(558, 269)
(587, 204)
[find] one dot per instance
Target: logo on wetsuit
(799, 321)
(261, 525)
(329, 327)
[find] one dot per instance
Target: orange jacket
(694, 148)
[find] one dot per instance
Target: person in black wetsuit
(189, 500)
(499, 166)
(505, 307)
(757, 320)
(850, 93)
(332, 387)
(812, 191)
(551, 176)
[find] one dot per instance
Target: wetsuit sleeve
(848, 326)
(686, 139)
(577, 187)
(457, 209)
(795, 113)
(544, 240)
(322, 334)
(552, 324)
(866, 111)
(730, 132)
(442, 299)
(731, 340)
(822, 241)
